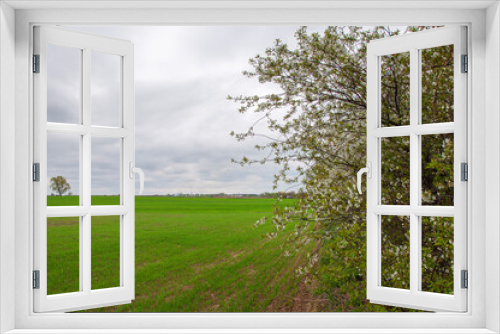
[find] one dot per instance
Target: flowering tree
(319, 119)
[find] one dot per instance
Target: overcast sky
(183, 76)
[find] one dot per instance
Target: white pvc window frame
(483, 264)
(414, 297)
(86, 297)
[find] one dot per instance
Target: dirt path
(306, 301)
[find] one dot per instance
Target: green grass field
(192, 255)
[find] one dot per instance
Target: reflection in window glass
(396, 251)
(63, 169)
(437, 170)
(105, 252)
(437, 84)
(63, 84)
(395, 164)
(437, 254)
(63, 255)
(395, 89)
(106, 89)
(106, 171)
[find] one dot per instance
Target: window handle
(368, 171)
(133, 170)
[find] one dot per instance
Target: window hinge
(465, 279)
(36, 172)
(36, 63)
(465, 64)
(464, 171)
(36, 279)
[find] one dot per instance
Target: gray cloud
(63, 152)
(183, 120)
(105, 89)
(63, 84)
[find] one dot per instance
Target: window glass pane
(395, 251)
(437, 254)
(63, 84)
(395, 165)
(63, 255)
(437, 170)
(395, 89)
(105, 252)
(106, 89)
(106, 171)
(63, 169)
(437, 84)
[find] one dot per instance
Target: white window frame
(414, 297)
(483, 20)
(85, 297)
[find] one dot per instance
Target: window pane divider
(80, 211)
(423, 129)
(110, 210)
(415, 173)
(434, 129)
(74, 129)
(418, 210)
(396, 131)
(82, 130)
(109, 132)
(86, 235)
(392, 210)
(67, 211)
(434, 211)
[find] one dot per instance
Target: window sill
(251, 331)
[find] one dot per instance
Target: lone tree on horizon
(59, 184)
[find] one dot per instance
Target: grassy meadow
(195, 254)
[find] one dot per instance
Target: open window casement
(71, 128)
(416, 161)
